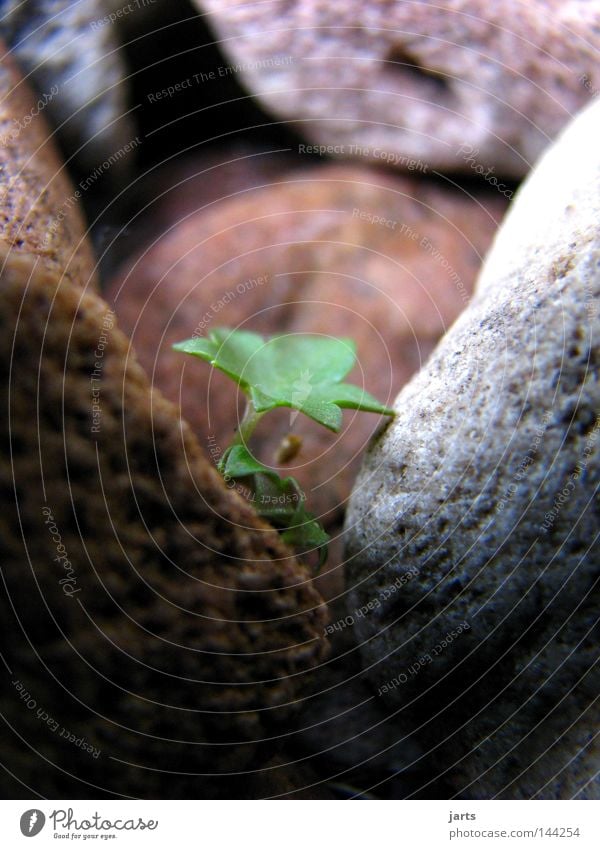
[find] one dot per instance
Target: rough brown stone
(40, 210)
(406, 81)
(153, 630)
(176, 630)
(305, 253)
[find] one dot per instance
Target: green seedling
(300, 371)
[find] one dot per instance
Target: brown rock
(151, 614)
(307, 253)
(403, 81)
(153, 629)
(40, 210)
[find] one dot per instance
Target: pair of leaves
(301, 371)
(278, 500)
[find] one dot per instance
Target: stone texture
(418, 80)
(40, 213)
(472, 529)
(295, 255)
(153, 630)
(71, 55)
(175, 623)
(358, 741)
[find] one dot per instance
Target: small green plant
(300, 371)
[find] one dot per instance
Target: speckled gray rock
(473, 527)
(462, 85)
(70, 52)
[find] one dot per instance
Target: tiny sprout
(301, 371)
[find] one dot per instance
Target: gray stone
(467, 86)
(473, 528)
(70, 52)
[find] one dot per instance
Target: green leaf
(227, 350)
(302, 371)
(350, 396)
(283, 503)
(239, 463)
(277, 499)
(307, 534)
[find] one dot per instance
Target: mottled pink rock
(402, 81)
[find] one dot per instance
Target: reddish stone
(307, 254)
(419, 85)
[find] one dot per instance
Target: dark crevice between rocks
(202, 118)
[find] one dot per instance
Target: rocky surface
(40, 212)
(71, 54)
(340, 250)
(418, 85)
(150, 611)
(153, 629)
(472, 529)
(353, 737)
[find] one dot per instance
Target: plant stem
(247, 425)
